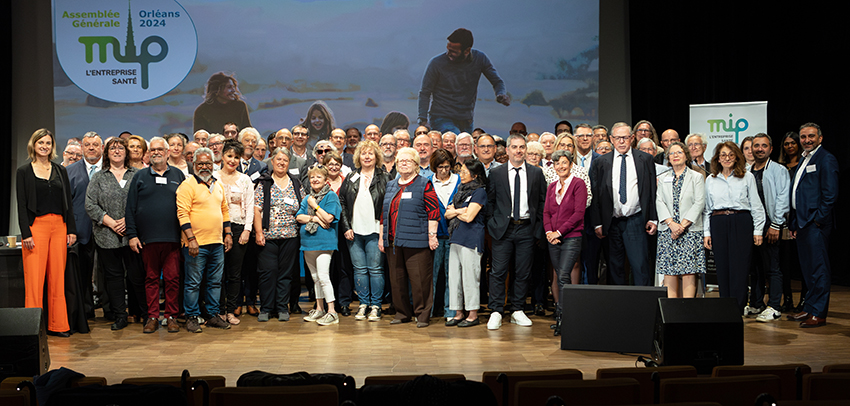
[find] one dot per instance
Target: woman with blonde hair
(46, 220)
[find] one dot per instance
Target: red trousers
(47, 260)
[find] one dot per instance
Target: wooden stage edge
(363, 348)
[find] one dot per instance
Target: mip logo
(741, 125)
(143, 58)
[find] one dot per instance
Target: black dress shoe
(63, 334)
(467, 323)
(390, 310)
(295, 309)
(119, 324)
(557, 328)
(539, 310)
(452, 322)
(799, 308)
(345, 311)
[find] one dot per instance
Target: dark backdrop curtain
(790, 54)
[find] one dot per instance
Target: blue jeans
(443, 124)
(209, 264)
(441, 266)
(366, 261)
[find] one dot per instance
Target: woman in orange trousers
(46, 219)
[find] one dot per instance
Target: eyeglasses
(300, 134)
(620, 138)
(323, 151)
(215, 144)
(406, 161)
(694, 145)
(387, 144)
(158, 149)
(727, 156)
(487, 146)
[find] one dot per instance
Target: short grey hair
(249, 130)
(557, 155)
(462, 136)
(202, 151)
(645, 140)
(158, 139)
(90, 134)
(281, 150)
(698, 135)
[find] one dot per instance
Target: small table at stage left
(12, 286)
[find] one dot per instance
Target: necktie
(516, 194)
(91, 170)
(549, 163)
(582, 161)
(244, 166)
(623, 180)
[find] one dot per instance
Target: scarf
(463, 191)
(312, 226)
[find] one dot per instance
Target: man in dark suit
(591, 244)
(249, 165)
(814, 191)
(623, 207)
(514, 220)
(79, 174)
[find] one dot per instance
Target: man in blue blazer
(79, 174)
(814, 191)
(623, 207)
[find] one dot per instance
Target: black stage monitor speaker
(699, 332)
(609, 318)
(23, 343)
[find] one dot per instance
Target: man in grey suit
(623, 207)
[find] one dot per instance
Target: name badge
(668, 179)
(288, 201)
(161, 181)
(235, 189)
(294, 171)
(406, 195)
(254, 176)
(355, 177)
(122, 182)
(811, 168)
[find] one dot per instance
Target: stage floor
(362, 348)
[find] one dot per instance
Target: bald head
(668, 137)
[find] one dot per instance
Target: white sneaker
(750, 311)
(769, 314)
(314, 315)
(375, 314)
(520, 319)
(361, 313)
(328, 319)
(495, 321)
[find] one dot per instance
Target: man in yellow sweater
(205, 221)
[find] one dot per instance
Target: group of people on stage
(210, 223)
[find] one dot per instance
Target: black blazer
(79, 180)
(602, 206)
(500, 200)
(348, 194)
(27, 199)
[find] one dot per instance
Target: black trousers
(277, 266)
(231, 281)
(120, 264)
(732, 243)
(519, 241)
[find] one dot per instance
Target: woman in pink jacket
(563, 221)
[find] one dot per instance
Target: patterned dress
(684, 255)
